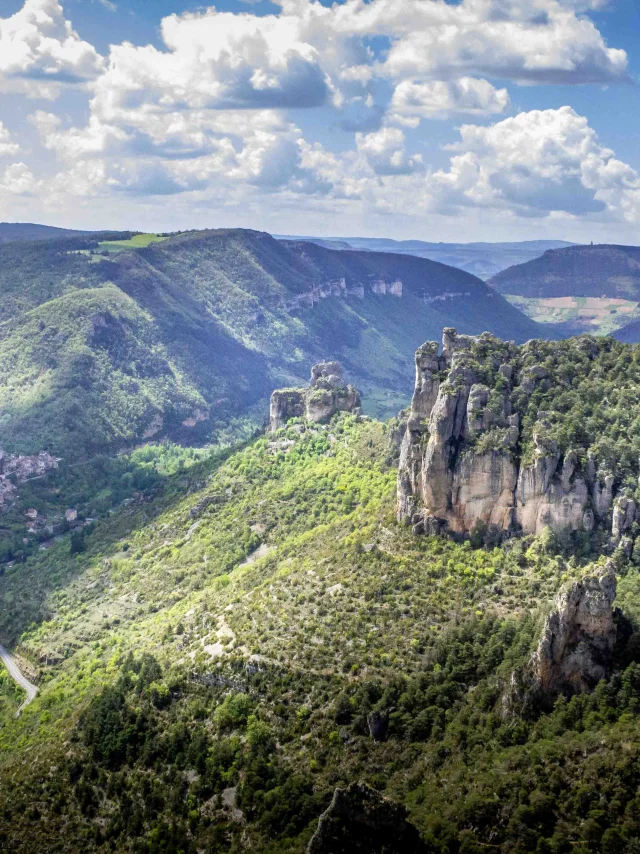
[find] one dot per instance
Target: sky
(451, 120)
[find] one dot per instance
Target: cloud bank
(216, 113)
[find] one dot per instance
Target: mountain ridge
(482, 258)
(176, 337)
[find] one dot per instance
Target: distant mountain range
(482, 259)
(11, 231)
(585, 271)
(107, 340)
(603, 280)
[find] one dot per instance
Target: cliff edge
(478, 454)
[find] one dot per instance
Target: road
(16, 675)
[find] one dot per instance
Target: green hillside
(108, 340)
(13, 231)
(578, 271)
(207, 657)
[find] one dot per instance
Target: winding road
(16, 675)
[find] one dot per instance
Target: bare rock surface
(327, 394)
(576, 648)
(360, 820)
(461, 459)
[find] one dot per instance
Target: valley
(575, 315)
(319, 427)
(215, 660)
(112, 340)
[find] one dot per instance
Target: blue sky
(468, 120)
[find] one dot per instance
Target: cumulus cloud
(537, 41)
(534, 164)
(7, 145)
(17, 180)
(384, 151)
(40, 50)
(215, 60)
(215, 111)
(443, 98)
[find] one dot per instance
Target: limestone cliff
(576, 648)
(327, 394)
(464, 461)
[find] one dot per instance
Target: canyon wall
(464, 462)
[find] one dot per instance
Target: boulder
(285, 403)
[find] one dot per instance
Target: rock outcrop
(576, 647)
(17, 469)
(463, 463)
(327, 394)
(360, 821)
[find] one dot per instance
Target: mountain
(482, 259)
(582, 271)
(629, 333)
(12, 231)
(251, 652)
(112, 339)
(578, 289)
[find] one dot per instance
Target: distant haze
(482, 259)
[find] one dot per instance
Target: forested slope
(583, 271)
(213, 657)
(108, 340)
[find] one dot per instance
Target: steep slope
(542, 437)
(629, 333)
(583, 271)
(224, 656)
(482, 259)
(104, 344)
(13, 231)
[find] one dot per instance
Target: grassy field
(596, 315)
(139, 241)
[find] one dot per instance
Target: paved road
(14, 672)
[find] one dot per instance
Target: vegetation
(208, 660)
(575, 315)
(481, 259)
(577, 271)
(111, 339)
(586, 390)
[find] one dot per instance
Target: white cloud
(533, 41)
(18, 180)
(40, 51)
(534, 164)
(7, 145)
(214, 60)
(384, 151)
(208, 115)
(443, 98)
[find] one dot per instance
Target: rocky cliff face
(360, 821)
(327, 394)
(464, 461)
(576, 648)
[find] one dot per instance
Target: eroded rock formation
(327, 394)
(360, 821)
(576, 647)
(17, 469)
(463, 462)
